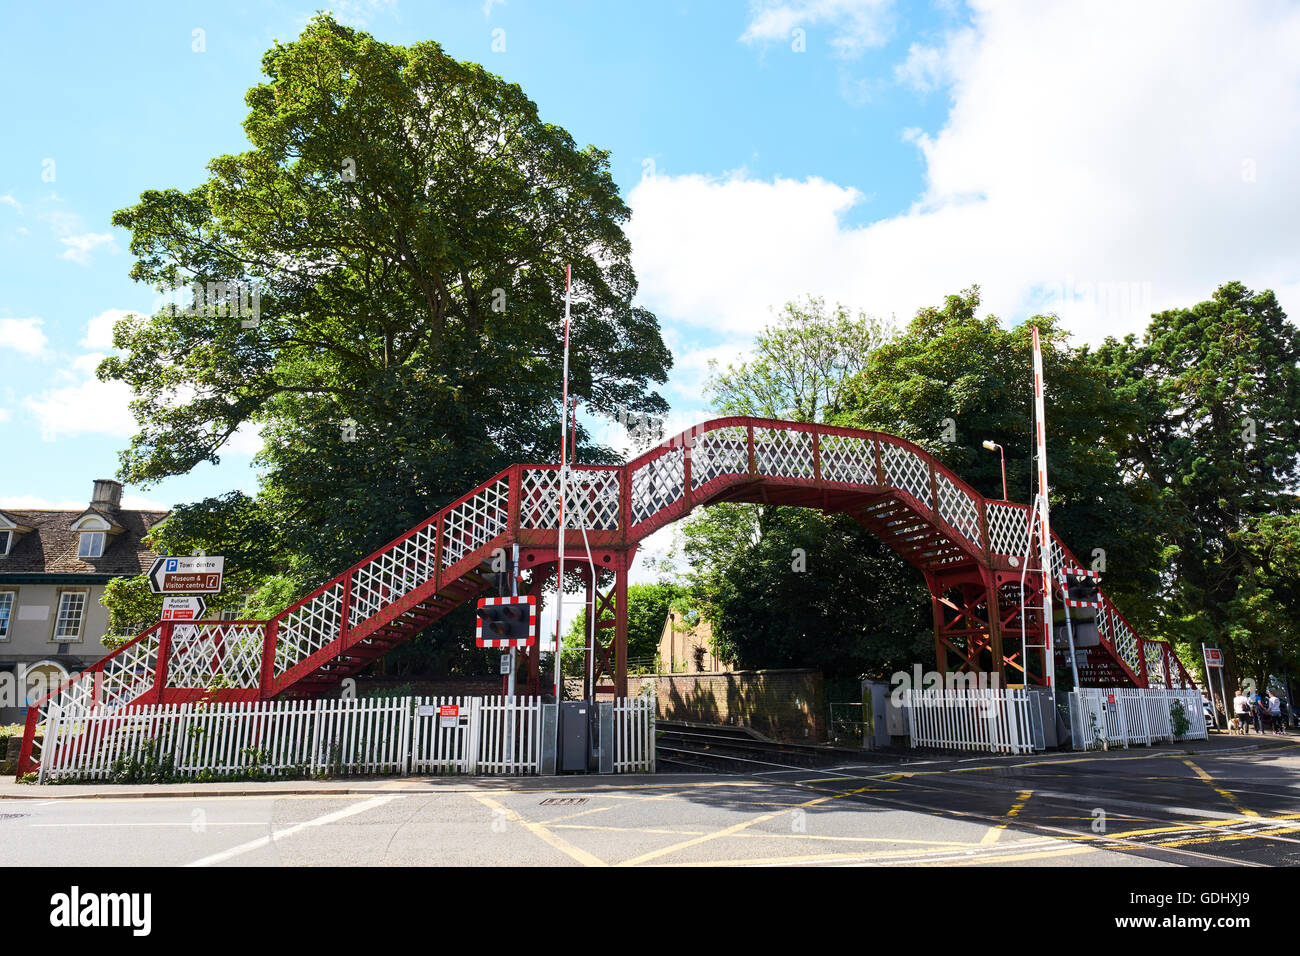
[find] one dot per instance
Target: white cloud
(37, 503)
(81, 246)
(5, 415)
(246, 441)
(856, 25)
(23, 336)
(1106, 161)
(87, 407)
(8, 200)
(99, 330)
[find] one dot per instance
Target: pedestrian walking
(1275, 711)
(1241, 707)
(1259, 713)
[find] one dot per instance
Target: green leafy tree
(1215, 388)
(1264, 613)
(800, 364)
(849, 605)
(792, 587)
(406, 217)
(954, 379)
(235, 526)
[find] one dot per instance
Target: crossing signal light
(507, 622)
(1080, 593)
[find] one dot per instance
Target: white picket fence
(485, 735)
(634, 735)
(991, 720)
(1120, 716)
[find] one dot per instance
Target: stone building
(54, 566)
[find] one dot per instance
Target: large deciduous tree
(954, 379)
(789, 586)
(406, 218)
(1216, 388)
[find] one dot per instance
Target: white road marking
(325, 820)
(185, 823)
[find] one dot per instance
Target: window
(6, 612)
(92, 544)
(72, 613)
(6, 542)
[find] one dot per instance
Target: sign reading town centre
(196, 575)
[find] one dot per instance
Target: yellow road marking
(1007, 858)
(727, 831)
(1230, 797)
(539, 831)
(996, 831)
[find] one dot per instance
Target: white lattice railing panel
(1119, 635)
(1008, 528)
(783, 454)
(400, 569)
(906, 470)
(592, 499)
(848, 459)
(128, 675)
(1155, 666)
(475, 521)
(958, 508)
(658, 483)
(722, 451)
(1058, 557)
(215, 655)
(308, 628)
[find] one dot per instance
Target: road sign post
(1213, 660)
(201, 574)
(183, 608)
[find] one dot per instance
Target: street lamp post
(994, 446)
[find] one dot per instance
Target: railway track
(735, 750)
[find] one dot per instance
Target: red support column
(164, 655)
(589, 674)
(620, 626)
(266, 679)
(534, 652)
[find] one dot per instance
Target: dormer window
(92, 544)
(93, 531)
(10, 533)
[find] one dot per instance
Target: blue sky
(1090, 157)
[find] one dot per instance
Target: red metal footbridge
(971, 550)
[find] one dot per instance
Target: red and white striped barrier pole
(1044, 518)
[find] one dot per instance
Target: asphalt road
(1144, 807)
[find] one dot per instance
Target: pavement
(1230, 801)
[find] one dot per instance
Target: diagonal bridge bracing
(969, 548)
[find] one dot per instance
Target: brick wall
(782, 704)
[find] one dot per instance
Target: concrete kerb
(370, 787)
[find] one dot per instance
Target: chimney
(107, 493)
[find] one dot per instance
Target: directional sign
(183, 608)
(196, 575)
